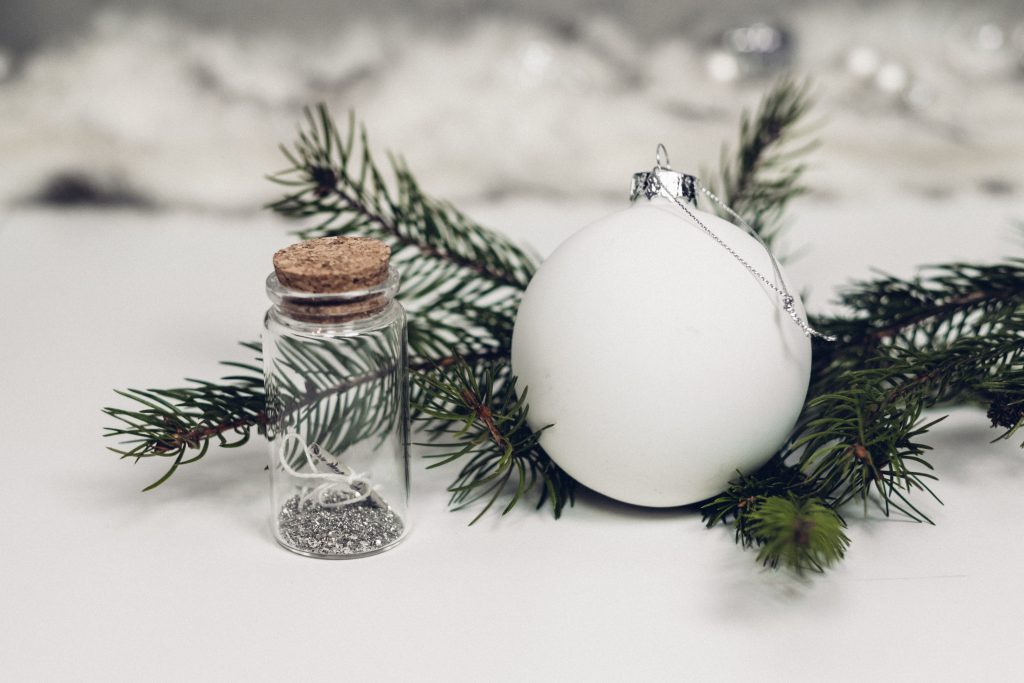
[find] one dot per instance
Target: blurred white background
(180, 103)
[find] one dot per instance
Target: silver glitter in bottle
(334, 349)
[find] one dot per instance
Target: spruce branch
(775, 510)
(764, 174)
(801, 534)
(954, 335)
(338, 181)
(484, 423)
(461, 282)
(747, 491)
(943, 302)
(181, 424)
(951, 335)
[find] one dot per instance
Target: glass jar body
(337, 401)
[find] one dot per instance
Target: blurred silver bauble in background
(989, 49)
(752, 50)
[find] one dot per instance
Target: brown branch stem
(196, 435)
(962, 301)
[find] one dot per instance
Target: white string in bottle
(340, 480)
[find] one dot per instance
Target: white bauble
(664, 365)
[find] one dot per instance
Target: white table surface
(102, 582)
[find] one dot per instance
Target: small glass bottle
(335, 366)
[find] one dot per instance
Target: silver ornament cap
(662, 180)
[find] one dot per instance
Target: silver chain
(788, 301)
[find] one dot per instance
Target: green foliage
(799, 534)
(460, 282)
(942, 303)
(776, 509)
(863, 433)
(482, 423)
(744, 493)
(951, 335)
(181, 424)
(764, 174)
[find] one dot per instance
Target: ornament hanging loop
(658, 152)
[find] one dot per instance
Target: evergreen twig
(798, 533)
(764, 174)
(182, 423)
(483, 423)
(943, 302)
(910, 346)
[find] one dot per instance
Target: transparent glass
(337, 398)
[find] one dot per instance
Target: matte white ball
(663, 364)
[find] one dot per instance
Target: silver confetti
(329, 527)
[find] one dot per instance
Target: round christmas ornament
(664, 346)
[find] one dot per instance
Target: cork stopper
(333, 264)
(333, 279)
